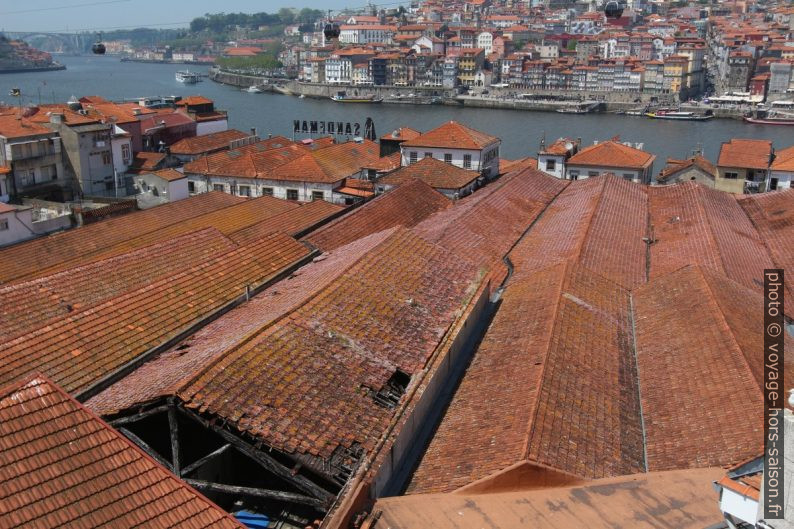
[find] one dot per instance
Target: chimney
(136, 111)
(56, 117)
(253, 131)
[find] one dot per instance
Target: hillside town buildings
(670, 54)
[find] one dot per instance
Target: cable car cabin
(613, 9)
(331, 31)
(98, 48)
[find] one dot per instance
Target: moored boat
(253, 89)
(678, 115)
(771, 120)
(342, 97)
(188, 77)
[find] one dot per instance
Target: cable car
(98, 47)
(613, 9)
(331, 31)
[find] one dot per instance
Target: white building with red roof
(458, 145)
(625, 161)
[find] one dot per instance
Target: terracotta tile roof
(330, 164)
(386, 163)
(207, 143)
(111, 112)
(784, 160)
(405, 206)
(28, 305)
(559, 346)
(683, 499)
(508, 166)
(74, 247)
(612, 154)
(452, 135)
(146, 161)
(166, 374)
(194, 100)
(559, 147)
(401, 134)
(772, 215)
(676, 166)
(167, 119)
(433, 172)
(694, 224)
(64, 467)
(722, 349)
(485, 225)
(599, 222)
(294, 222)
(387, 312)
(226, 220)
(41, 114)
(751, 154)
(747, 486)
(79, 349)
(12, 128)
(258, 160)
(169, 175)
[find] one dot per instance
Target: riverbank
(52, 68)
(614, 103)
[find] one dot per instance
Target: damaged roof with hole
(388, 312)
(63, 467)
(405, 206)
(34, 258)
(85, 346)
(166, 374)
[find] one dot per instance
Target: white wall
(3, 188)
(784, 179)
(636, 176)
(559, 167)
(738, 506)
(177, 190)
(258, 186)
(20, 226)
(492, 166)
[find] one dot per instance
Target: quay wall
(497, 98)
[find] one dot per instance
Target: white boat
(302, 96)
(253, 89)
(188, 77)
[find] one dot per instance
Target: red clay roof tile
(74, 247)
(63, 466)
(452, 135)
(433, 172)
(405, 206)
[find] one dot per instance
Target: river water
(521, 131)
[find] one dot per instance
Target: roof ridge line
(536, 406)
(581, 243)
(182, 384)
(700, 190)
